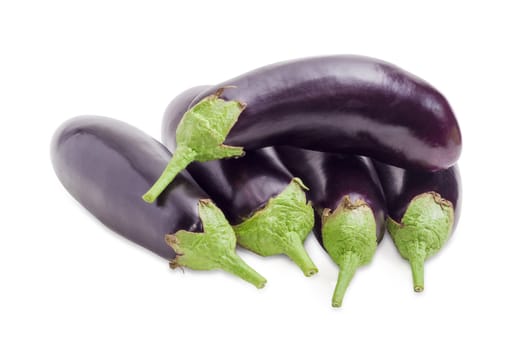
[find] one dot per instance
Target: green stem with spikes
(423, 230)
(212, 249)
(182, 157)
(349, 236)
(416, 261)
(200, 136)
(349, 263)
(281, 227)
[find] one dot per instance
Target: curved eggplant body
(344, 104)
(106, 165)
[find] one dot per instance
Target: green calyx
(281, 227)
(200, 136)
(212, 249)
(422, 232)
(349, 236)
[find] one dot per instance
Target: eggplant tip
(148, 198)
(204, 201)
(311, 272)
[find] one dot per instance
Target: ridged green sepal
(349, 236)
(423, 230)
(199, 137)
(281, 227)
(212, 249)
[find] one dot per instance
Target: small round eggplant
(345, 104)
(258, 195)
(106, 164)
(349, 206)
(423, 211)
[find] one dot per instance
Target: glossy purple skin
(330, 177)
(345, 104)
(401, 186)
(240, 186)
(107, 165)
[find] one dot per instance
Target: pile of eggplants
(344, 146)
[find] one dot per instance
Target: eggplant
(264, 202)
(423, 211)
(345, 104)
(349, 204)
(106, 164)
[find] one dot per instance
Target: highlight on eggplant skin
(423, 211)
(106, 164)
(258, 195)
(349, 205)
(345, 104)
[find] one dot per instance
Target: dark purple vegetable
(345, 104)
(257, 194)
(106, 164)
(349, 207)
(423, 211)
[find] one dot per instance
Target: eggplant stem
(349, 234)
(348, 266)
(200, 135)
(417, 270)
(424, 228)
(296, 252)
(281, 227)
(236, 266)
(182, 157)
(212, 249)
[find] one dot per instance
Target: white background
(66, 282)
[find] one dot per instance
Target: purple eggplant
(258, 195)
(345, 104)
(423, 211)
(349, 205)
(106, 164)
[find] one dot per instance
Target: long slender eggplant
(344, 104)
(258, 195)
(349, 205)
(423, 211)
(106, 164)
